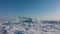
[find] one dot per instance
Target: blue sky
(30, 8)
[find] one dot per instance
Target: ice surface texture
(25, 25)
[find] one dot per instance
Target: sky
(30, 8)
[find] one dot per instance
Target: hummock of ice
(24, 25)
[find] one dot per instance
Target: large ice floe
(25, 25)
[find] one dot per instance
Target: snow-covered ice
(25, 25)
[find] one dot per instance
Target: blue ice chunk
(18, 32)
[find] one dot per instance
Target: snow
(25, 25)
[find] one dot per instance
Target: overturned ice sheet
(24, 25)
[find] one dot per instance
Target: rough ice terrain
(25, 25)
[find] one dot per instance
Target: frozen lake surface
(25, 25)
